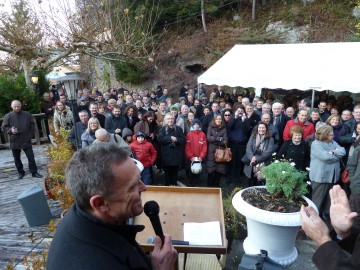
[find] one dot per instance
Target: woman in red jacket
(195, 148)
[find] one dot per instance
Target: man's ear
(99, 203)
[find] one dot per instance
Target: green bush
(129, 72)
(14, 87)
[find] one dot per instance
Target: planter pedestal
(271, 231)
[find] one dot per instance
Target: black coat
(25, 123)
(171, 153)
(283, 120)
(299, 154)
(82, 242)
(112, 123)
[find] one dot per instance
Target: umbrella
(55, 75)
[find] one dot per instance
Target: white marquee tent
(319, 66)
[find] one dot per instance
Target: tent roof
(319, 66)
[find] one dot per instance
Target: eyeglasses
(226, 115)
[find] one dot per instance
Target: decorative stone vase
(271, 231)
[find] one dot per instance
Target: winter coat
(216, 136)
(171, 153)
(112, 123)
(353, 166)
(307, 126)
(25, 124)
(264, 156)
(80, 129)
(196, 145)
(324, 166)
(145, 152)
(299, 154)
(339, 131)
(87, 138)
(63, 119)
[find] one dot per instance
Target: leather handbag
(344, 175)
(223, 155)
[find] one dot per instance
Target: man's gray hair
(90, 172)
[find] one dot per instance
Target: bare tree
(107, 29)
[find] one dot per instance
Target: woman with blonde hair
(325, 158)
(336, 123)
(88, 137)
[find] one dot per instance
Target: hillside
(186, 51)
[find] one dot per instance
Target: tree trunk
(27, 72)
(203, 16)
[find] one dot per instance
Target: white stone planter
(271, 231)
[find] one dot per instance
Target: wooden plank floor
(16, 237)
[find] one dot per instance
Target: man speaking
(94, 234)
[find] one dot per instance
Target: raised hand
(340, 212)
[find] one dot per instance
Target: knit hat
(83, 98)
(126, 132)
(196, 121)
(140, 134)
(174, 107)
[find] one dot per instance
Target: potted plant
(272, 211)
(235, 223)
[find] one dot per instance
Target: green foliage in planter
(14, 87)
(233, 219)
(284, 180)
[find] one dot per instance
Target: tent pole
(313, 99)
(253, 9)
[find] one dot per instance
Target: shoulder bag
(223, 155)
(344, 175)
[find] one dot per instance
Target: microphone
(152, 209)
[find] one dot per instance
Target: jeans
(146, 176)
(30, 155)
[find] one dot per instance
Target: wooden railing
(41, 133)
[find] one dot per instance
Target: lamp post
(35, 80)
(70, 83)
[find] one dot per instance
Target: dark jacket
(25, 124)
(80, 129)
(330, 255)
(112, 123)
(216, 136)
(264, 156)
(84, 242)
(299, 154)
(238, 130)
(281, 126)
(171, 153)
(101, 119)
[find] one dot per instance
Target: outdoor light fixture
(34, 77)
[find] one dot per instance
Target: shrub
(284, 180)
(14, 87)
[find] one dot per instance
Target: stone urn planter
(271, 231)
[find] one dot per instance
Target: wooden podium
(177, 206)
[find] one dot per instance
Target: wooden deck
(17, 239)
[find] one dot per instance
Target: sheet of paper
(203, 234)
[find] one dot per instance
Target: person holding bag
(216, 136)
(258, 150)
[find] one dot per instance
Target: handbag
(223, 155)
(344, 175)
(245, 160)
(260, 261)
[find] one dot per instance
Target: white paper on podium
(203, 234)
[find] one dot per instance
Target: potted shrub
(272, 211)
(235, 223)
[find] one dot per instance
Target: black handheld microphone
(152, 209)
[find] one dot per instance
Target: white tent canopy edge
(304, 66)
